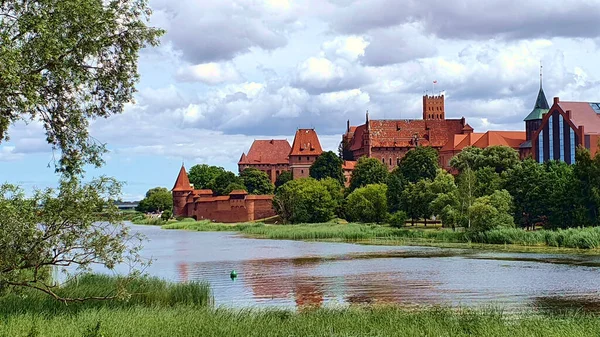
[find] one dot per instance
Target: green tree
(500, 158)
(157, 199)
(587, 172)
(327, 165)
(525, 183)
(336, 190)
(492, 212)
(65, 62)
(201, 175)
(368, 171)
(59, 228)
(283, 178)
(419, 163)
(487, 181)
(234, 187)
(304, 200)
(256, 181)
(219, 184)
(416, 200)
(368, 204)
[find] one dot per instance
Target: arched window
(383, 161)
(390, 161)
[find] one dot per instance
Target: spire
(183, 182)
(541, 103)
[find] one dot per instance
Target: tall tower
(181, 190)
(533, 121)
(433, 107)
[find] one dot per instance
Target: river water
(289, 274)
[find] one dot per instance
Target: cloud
(474, 19)
(209, 31)
(7, 153)
(209, 73)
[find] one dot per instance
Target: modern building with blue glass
(563, 128)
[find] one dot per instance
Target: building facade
(390, 140)
(238, 206)
(566, 126)
(269, 156)
(305, 150)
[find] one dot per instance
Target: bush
(368, 204)
(398, 219)
(166, 215)
(305, 200)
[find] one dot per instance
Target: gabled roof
(349, 165)
(274, 151)
(541, 107)
(511, 139)
(584, 113)
(182, 183)
(306, 143)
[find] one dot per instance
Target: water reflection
(303, 274)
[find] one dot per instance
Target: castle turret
(181, 190)
(433, 107)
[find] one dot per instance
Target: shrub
(368, 204)
(304, 200)
(166, 215)
(398, 219)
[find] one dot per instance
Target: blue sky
(229, 72)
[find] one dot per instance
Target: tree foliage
(64, 62)
(492, 212)
(328, 165)
(201, 175)
(256, 181)
(283, 178)
(60, 228)
(500, 158)
(419, 163)
(368, 171)
(304, 200)
(157, 199)
(219, 184)
(368, 204)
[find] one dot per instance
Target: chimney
(348, 126)
(556, 100)
(568, 112)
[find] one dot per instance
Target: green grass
(145, 291)
(583, 238)
(370, 321)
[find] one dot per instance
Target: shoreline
(299, 233)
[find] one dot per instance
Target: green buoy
(233, 274)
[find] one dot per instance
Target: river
(288, 274)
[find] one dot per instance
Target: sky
(229, 72)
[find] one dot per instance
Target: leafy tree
(587, 171)
(201, 175)
(368, 204)
(64, 62)
(219, 184)
(60, 228)
(166, 215)
(157, 199)
(304, 200)
(416, 200)
(234, 187)
(336, 190)
(563, 204)
(525, 184)
(500, 158)
(256, 181)
(368, 171)
(419, 163)
(451, 202)
(396, 185)
(398, 219)
(328, 165)
(487, 181)
(492, 211)
(283, 178)
(344, 151)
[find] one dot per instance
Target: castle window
(383, 161)
(398, 161)
(390, 161)
(302, 171)
(299, 158)
(307, 158)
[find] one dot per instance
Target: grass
(580, 238)
(357, 321)
(146, 291)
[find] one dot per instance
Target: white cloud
(209, 73)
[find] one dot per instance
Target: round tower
(181, 191)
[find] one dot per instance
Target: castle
(551, 133)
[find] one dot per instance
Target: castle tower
(181, 190)
(305, 150)
(433, 107)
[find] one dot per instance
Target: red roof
(306, 143)
(400, 133)
(274, 151)
(349, 165)
(511, 139)
(182, 183)
(583, 114)
(238, 192)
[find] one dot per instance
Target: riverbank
(580, 241)
(189, 320)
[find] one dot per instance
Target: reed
(370, 321)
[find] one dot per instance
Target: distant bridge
(127, 205)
